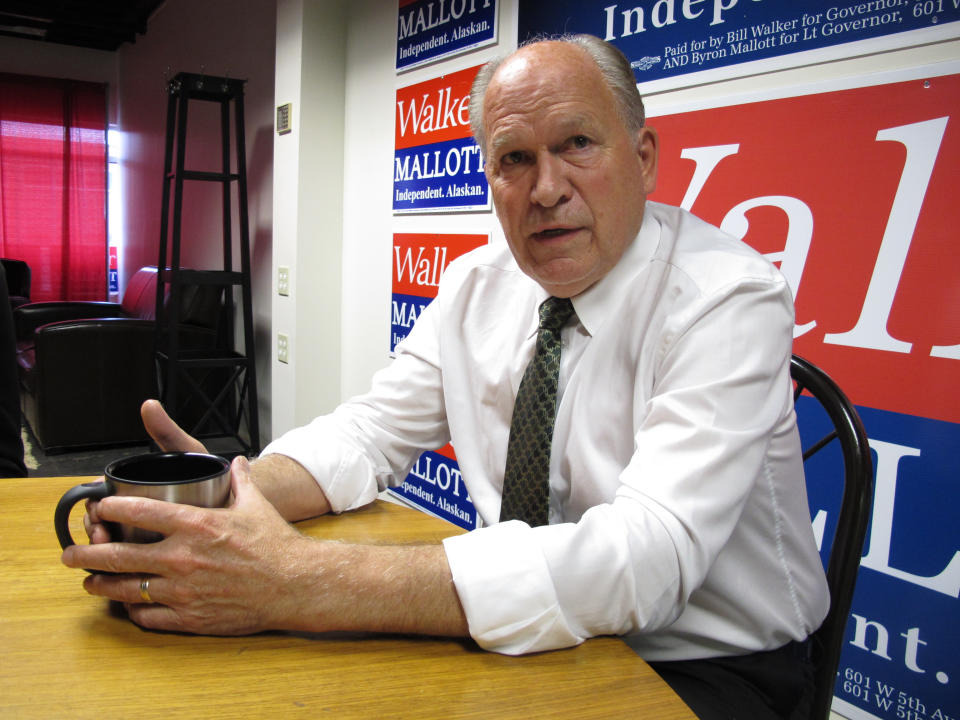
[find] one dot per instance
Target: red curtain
(53, 175)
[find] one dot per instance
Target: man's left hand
(223, 571)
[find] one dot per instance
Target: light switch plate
(284, 119)
(283, 348)
(283, 280)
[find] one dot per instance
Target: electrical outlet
(283, 280)
(283, 348)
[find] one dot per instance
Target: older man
(669, 503)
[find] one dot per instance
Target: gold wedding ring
(145, 590)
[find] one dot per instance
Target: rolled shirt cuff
(506, 590)
(346, 476)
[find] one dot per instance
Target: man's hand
(243, 569)
(217, 571)
(169, 436)
(283, 481)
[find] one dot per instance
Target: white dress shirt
(677, 502)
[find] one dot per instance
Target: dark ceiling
(97, 24)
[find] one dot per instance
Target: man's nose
(550, 186)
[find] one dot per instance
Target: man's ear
(648, 146)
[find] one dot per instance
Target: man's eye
(512, 158)
(579, 141)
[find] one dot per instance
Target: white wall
(308, 196)
(369, 223)
(29, 57)
(220, 38)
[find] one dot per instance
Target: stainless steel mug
(187, 478)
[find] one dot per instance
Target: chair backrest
(139, 298)
(11, 446)
(200, 305)
(851, 526)
(18, 278)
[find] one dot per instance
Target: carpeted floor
(74, 462)
(92, 461)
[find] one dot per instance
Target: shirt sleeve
(371, 441)
(631, 565)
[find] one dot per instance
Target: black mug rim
(223, 465)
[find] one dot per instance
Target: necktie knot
(554, 313)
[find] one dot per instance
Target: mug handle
(61, 517)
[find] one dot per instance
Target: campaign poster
(432, 30)
(113, 275)
(437, 166)
(419, 260)
(852, 192)
(672, 38)
(434, 483)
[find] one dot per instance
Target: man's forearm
(289, 487)
(341, 586)
(374, 588)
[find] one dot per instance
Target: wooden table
(64, 654)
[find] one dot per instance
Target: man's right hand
(169, 436)
(282, 480)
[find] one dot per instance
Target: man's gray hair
(612, 64)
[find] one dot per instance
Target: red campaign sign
(419, 259)
(435, 110)
(852, 193)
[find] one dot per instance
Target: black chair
(85, 367)
(851, 526)
(11, 446)
(18, 281)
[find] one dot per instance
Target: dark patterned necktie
(526, 480)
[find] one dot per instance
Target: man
(676, 506)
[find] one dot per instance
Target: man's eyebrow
(575, 123)
(500, 141)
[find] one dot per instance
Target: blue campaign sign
(668, 38)
(405, 309)
(419, 260)
(428, 30)
(440, 176)
(899, 658)
(435, 484)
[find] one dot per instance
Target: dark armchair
(86, 367)
(18, 281)
(11, 447)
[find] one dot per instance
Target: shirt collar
(595, 304)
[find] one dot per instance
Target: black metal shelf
(214, 388)
(205, 175)
(204, 277)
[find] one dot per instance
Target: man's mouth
(549, 233)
